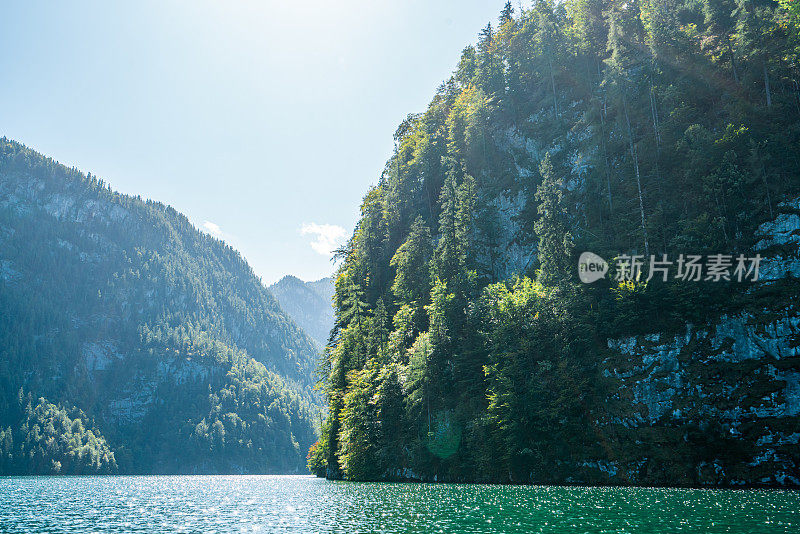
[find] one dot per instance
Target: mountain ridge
(159, 333)
(310, 304)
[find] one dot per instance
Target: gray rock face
(779, 242)
(732, 386)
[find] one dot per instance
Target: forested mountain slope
(310, 304)
(153, 343)
(465, 348)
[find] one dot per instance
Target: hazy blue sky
(264, 122)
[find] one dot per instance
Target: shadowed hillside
(157, 337)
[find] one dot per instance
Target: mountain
(656, 135)
(310, 304)
(132, 342)
(325, 288)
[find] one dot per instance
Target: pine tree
(552, 228)
(507, 14)
(722, 23)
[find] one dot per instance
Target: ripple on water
(305, 504)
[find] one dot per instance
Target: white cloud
(212, 229)
(327, 238)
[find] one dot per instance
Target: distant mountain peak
(310, 304)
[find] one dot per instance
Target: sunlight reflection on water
(220, 504)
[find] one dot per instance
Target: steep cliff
(719, 402)
(465, 345)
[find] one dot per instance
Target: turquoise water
(211, 504)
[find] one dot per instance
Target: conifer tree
(552, 228)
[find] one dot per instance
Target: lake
(211, 504)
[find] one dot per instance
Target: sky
(264, 122)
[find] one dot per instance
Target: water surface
(210, 504)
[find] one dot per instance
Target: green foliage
(553, 228)
(540, 364)
(45, 439)
(613, 126)
(357, 453)
(316, 459)
(161, 334)
(445, 437)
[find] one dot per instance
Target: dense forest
(132, 342)
(465, 348)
